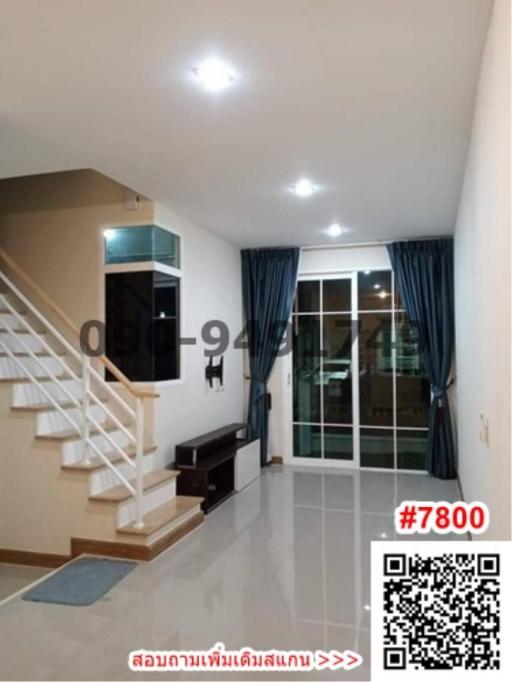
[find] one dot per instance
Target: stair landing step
(119, 493)
(71, 435)
(96, 462)
(161, 516)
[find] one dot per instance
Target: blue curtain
(269, 277)
(424, 279)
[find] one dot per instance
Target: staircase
(130, 508)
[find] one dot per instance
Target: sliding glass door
(323, 369)
(360, 393)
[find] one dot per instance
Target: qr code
(441, 612)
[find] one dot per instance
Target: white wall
(482, 287)
(211, 290)
(344, 259)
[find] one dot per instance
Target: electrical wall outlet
(484, 429)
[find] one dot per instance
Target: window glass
(375, 370)
(374, 290)
(411, 449)
(337, 295)
(338, 443)
(337, 369)
(140, 244)
(306, 368)
(377, 448)
(308, 297)
(307, 441)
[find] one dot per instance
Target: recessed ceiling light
(376, 286)
(334, 230)
(304, 188)
(109, 235)
(382, 294)
(214, 74)
(367, 272)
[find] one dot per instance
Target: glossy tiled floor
(14, 578)
(285, 563)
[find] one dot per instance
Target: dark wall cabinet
(142, 324)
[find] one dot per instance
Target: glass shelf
(141, 243)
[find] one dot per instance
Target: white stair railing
(89, 378)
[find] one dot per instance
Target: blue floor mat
(81, 583)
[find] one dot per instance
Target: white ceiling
(371, 98)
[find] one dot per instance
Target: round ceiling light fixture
(214, 74)
(303, 188)
(334, 230)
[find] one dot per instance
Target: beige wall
(52, 226)
(482, 287)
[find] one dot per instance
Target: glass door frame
(356, 427)
(322, 461)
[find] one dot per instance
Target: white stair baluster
(86, 386)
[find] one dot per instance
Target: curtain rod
(382, 242)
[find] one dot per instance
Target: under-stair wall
(58, 489)
(42, 506)
(52, 226)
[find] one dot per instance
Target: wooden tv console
(207, 464)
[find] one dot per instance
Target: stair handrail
(66, 320)
(55, 404)
(88, 371)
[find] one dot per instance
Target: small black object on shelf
(212, 371)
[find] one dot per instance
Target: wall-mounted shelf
(142, 343)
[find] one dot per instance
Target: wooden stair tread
(96, 462)
(119, 493)
(49, 407)
(18, 330)
(26, 380)
(71, 434)
(162, 515)
(8, 312)
(38, 354)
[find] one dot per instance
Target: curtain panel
(424, 279)
(269, 278)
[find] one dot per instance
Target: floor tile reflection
(285, 563)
